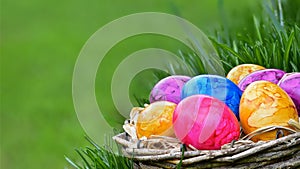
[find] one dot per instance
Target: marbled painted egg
(237, 73)
(156, 119)
(168, 89)
(271, 75)
(290, 83)
(265, 104)
(215, 86)
(205, 122)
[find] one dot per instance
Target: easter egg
(271, 75)
(156, 119)
(237, 73)
(168, 89)
(265, 104)
(215, 86)
(290, 83)
(205, 122)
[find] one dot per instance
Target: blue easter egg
(216, 86)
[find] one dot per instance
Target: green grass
(100, 157)
(267, 40)
(40, 41)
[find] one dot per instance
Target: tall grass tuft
(100, 157)
(274, 44)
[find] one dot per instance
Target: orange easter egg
(265, 104)
(156, 119)
(237, 73)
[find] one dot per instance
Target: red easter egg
(205, 122)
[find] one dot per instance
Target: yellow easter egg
(237, 73)
(265, 104)
(156, 119)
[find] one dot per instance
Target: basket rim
(285, 145)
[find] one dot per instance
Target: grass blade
(295, 68)
(84, 159)
(230, 50)
(256, 25)
(73, 163)
(288, 48)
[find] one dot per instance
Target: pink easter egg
(168, 89)
(205, 122)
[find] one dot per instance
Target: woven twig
(267, 129)
(165, 152)
(262, 147)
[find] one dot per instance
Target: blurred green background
(40, 41)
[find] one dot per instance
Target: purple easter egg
(290, 83)
(168, 89)
(271, 75)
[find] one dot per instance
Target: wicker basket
(167, 152)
